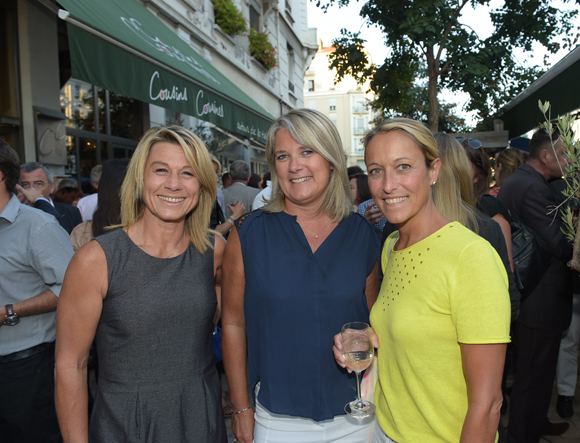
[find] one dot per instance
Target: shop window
(8, 70)
(124, 113)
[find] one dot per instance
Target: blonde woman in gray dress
(145, 292)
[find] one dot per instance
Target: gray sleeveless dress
(157, 379)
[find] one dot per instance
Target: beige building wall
(345, 103)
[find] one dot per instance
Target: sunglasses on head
(473, 142)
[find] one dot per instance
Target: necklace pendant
(316, 236)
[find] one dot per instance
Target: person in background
(146, 292)
(567, 366)
(67, 182)
(486, 203)
(35, 187)
(506, 162)
(108, 212)
(35, 254)
(226, 180)
(353, 170)
(239, 191)
(546, 310)
(297, 270)
(217, 219)
(255, 181)
(88, 204)
(442, 316)
(68, 195)
(359, 189)
(265, 194)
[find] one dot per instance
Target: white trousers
(567, 368)
(276, 428)
(379, 435)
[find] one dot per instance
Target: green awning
(121, 46)
(559, 86)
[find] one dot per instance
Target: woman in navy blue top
(296, 271)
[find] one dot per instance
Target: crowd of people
(419, 246)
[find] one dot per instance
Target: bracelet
(231, 220)
(242, 410)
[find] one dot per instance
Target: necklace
(172, 252)
(315, 234)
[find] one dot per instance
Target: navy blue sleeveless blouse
(295, 302)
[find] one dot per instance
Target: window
(332, 105)
(334, 122)
(310, 85)
(291, 64)
(311, 104)
(254, 18)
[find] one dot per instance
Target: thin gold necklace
(315, 234)
(172, 252)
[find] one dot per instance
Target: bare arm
(234, 338)
(372, 288)
(39, 304)
(218, 257)
(483, 368)
(79, 310)
(507, 233)
(237, 210)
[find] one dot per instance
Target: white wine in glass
(358, 351)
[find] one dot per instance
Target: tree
(428, 35)
(418, 106)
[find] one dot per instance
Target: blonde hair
(417, 131)
(312, 129)
(198, 157)
(510, 159)
(453, 193)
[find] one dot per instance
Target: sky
(330, 24)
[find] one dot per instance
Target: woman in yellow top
(442, 315)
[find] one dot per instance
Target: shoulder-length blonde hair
(453, 193)
(417, 131)
(198, 157)
(314, 130)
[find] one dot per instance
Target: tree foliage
(428, 36)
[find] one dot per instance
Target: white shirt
(87, 206)
(263, 197)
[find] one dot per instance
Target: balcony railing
(359, 109)
(360, 129)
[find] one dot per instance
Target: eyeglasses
(473, 142)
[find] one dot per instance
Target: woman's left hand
(337, 349)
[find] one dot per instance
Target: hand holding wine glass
(358, 352)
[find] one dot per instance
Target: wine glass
(358, 351)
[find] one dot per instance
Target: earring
(434, 182)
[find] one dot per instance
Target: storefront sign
(166, 94)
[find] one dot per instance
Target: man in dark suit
(546, 311)
(36, 184)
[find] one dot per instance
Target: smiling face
(171, 190)
(303, 174)
(399, 180)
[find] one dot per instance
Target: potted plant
(229, 18)
(261, 49)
